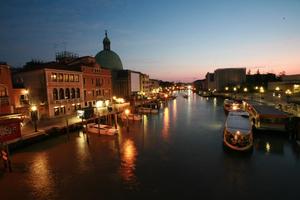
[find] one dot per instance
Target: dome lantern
(106, 42)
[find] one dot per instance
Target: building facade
(55, 92)
(229, 77)
(6, 90)
(97, 82)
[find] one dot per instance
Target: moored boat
(231, 105)
(238, 132)
(101, 129)
(134, 117)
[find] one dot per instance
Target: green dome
(109, 59)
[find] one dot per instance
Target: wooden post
(67, 123)
(86, 134)
(116, 120)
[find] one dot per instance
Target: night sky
(171, 40)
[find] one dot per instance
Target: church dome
(108, 58)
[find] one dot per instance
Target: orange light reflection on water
(166, 124)
(128, 158)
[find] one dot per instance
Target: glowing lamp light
(33, 108)
(114, 98)
(277, 88)
(234, 89)
(288, 92)
(226, 88)
(26, 92)
(127, 111)
(107, 103)
(245, 89)
(99, 104)
(166, 96)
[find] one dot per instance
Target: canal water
(175, 154)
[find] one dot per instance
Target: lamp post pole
(127, 111)
(34, 117)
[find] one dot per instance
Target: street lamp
(127, 111)
(245, 89)
(99, 104)
(34, 116)
(261, 90)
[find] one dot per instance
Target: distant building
(227, 77)
(145, 83)
(153, 84)
(289, 83)
(6, 89)
(200, 85)
(259, 80)
(210, 84)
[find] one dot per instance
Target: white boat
(104, 129)
(231, 105)
(134, 117)
(238, 131)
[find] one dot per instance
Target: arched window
(77, 93)
(61, 93)
(67, 93)
(55, 94)
(73, 93)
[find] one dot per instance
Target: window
(63, 110)
(61, 93)
(3, 92)
(56, 111)
(84, 93)
(76, 78)
(78, 93)
(85, 104)
(93, 92)
(73, 93)
(92, 81)
(67, 93)
(55, 94)
(83, 81)
(71, 78)
(66, 77)
(54, 77)
(60, 77)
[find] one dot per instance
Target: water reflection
(40, 178)
(128, 163)
(174, 111)
(81, 155)
(166, 124)
(269, 144)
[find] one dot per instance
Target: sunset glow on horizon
(169, 40)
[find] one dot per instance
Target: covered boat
(101, 129)
(238, 131)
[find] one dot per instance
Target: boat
(104, 129)
(145, 110)
(264, 117)
(232, 105)
(238, 131)
(185, 96)
(133, 117)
